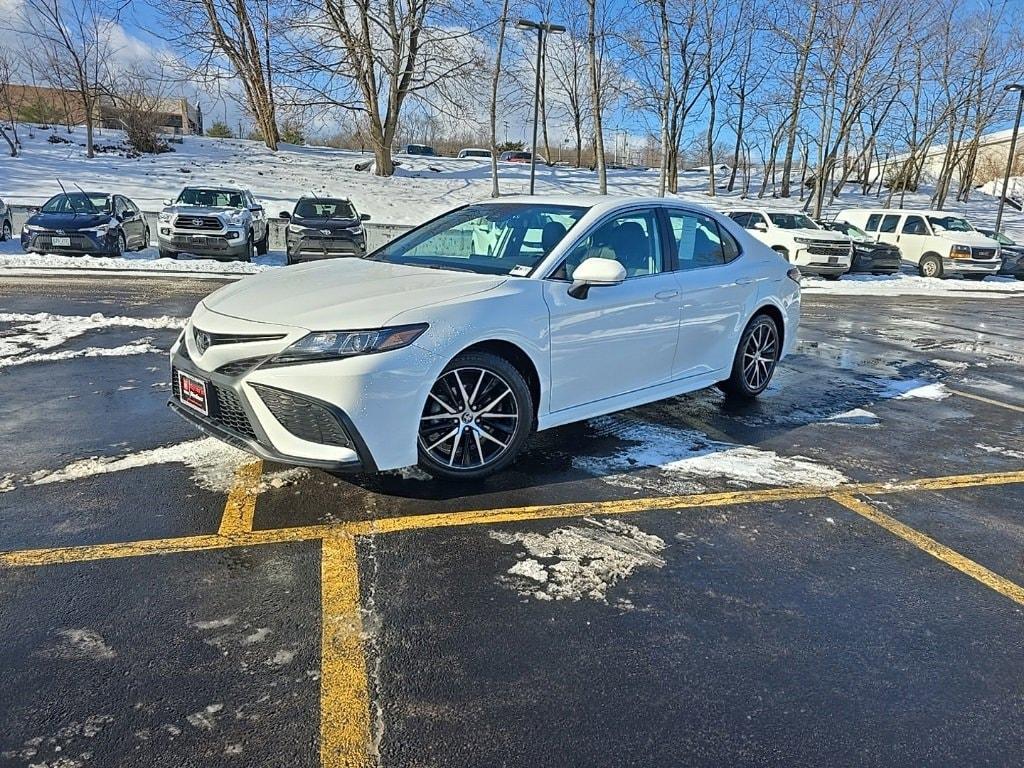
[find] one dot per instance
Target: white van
(803, 243)
(938, 243)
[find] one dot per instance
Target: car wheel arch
(776, 314)
(517, 356)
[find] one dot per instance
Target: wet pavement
(687, 583)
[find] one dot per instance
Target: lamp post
(551, 29)
(1019, 88)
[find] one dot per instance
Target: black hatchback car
(868, 255)
(1012, 253)
(324, 228)
(98, 223)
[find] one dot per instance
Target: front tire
(930, 266)
(756, 358)
(263, 244)
(5, 232)
(250, 249)
(477, 418)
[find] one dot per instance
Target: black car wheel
(477, 417)
(5, 232)
(122, 244)
(756, 357)
(145, 240)
(263, 244)
(168, 254)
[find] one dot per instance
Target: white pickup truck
(803, 243)
(216, 222)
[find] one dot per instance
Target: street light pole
(1019, 88)
(541, 28)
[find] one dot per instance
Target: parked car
(6, 222)
(420, 149)
(1012, 253)
(100, 223)
(474, 152)
(217, 222)
(868, 255)
(515, 157)
(801, 242)
(938, 243)
(323, 228)
(451, 344)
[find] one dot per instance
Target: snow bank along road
(802, 581)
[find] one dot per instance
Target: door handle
(744, 280)
(666, 295)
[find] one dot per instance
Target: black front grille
(238, 338)
(304, 418)
(828, 249)
(184, 242)
(78, 242)
(207, 223)
(238, 367)
(224, 406)
(986, 254)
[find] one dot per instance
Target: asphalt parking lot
(830, 576)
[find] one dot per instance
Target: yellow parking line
(241, 504)
(344, 688)
(932, 547)
(988, 400)
(86, 552)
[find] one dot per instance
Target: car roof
(597, 203)
(907, 211)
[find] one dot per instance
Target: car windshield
(322, 208)
(488, 238)
(77, 202)
(853, 231)
(211, 198)
(950, 223)
(791, 221)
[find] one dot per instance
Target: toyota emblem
(197, 222)
(325, 231)
(202, 341)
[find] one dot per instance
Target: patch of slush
(32, 335)
(81, 643)
(688, 455)
(282, 478)
(999, 450)
(212, 462)
(579, 562)
(856, 417)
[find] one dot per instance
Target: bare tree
(242, 32)
(495, 88)
(139, 96)
(73, 38)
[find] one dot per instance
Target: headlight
(802, 240)
(236, 219)
(356, 230)
(165, 217)
(960, 252)
(334, 345)
(31, 228)
(297, 229)
(102, 229)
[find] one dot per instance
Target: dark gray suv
(324, 228)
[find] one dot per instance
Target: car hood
(344, 294)
(200, 210)
(967, 238)
(68, 221)
(326, 223)
(819, 234)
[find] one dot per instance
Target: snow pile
(856, 417)
(34, 336)
(688, 456)
(213, 464)
(912, 285)
(912, 389)
(141, 261)
(580, 562)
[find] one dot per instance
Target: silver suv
(217, 222)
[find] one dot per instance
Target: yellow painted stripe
(241, 504)
(344, 688)
(990, 401)
(927, 544)
(385, 525)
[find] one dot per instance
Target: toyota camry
(450, 345)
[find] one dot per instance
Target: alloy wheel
(760, 355)
(470, 419)
(5, 234)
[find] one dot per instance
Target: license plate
(833, 259)
(65, 241)
(192, 392)
(199, 239)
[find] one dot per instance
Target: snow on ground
(138, 262)
(686, 457)
(579, 562)
(913, 285)
(34, 337)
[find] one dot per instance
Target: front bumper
(315, 247)
(869, 260)
(970, 267)
(231, 243)
(821, 263)
(80, 242)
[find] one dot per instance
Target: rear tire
(263, 245)
(831, 277)
(757, 356)
(168, 254)
(5, 231)
(477, 418)
(250, 249)
(145, 240)
(930, 266)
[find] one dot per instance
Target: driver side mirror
(285, 215)
(364, 217)
(255, 208)
(593, 273)
(760, 226)
(167, 201)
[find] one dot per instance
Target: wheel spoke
(462, 389)
(442, 403)
(479, 447)
(490, 407)
(448, 436)
(437, 416)
(476, 391)
(493, 439)
(455, 446)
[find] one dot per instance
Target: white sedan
(450, 345)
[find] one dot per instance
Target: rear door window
(699, 241)
(914, 225)
(872, 225)
(889, 223)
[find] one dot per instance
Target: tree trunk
(495, 82)
(804, 53)
(666, 75)
(595, 97)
